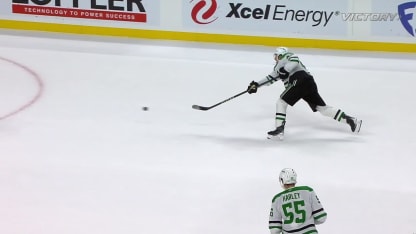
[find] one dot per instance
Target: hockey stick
(205, 108)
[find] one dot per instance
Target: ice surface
(85, 158)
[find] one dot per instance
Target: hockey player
(299, 84)
(295, 210)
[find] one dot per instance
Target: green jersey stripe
(320, 216)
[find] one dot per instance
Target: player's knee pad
(281, 106)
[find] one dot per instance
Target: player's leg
(280, 120)
(316, 103)
(290, 96)
(340, 116)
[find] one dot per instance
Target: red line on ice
(35, 98)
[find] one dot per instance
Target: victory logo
(203, 12)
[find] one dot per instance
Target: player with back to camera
(297, 209)
(299, 84)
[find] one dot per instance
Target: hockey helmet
(280, 51)
(287, 176)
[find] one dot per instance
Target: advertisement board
(128, 13)
(386, 25)
(319, 17)
(394, 18)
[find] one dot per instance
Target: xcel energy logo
(203, 11)
(280, 13)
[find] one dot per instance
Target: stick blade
(203, 108)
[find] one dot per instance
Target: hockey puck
(145, 108)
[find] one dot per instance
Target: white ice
(84, 158)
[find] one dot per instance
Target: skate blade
(278, 137)
(358, 128)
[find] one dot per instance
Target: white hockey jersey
(291, 63)
(296, 211)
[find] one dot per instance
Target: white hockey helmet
(287, 176)
(280, 51)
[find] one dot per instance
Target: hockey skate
(278, 133)
(354, 123)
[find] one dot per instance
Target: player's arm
(268, 80)
(275, 220)
(272, 77)
(318, 212)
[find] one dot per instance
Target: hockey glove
(283, 74)
(252, 88)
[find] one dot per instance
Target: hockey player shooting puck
(145, 108)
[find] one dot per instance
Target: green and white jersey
(296, 211)
(291, 63)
